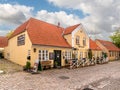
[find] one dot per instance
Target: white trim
(46, 57)
(76, 30)
(85, 31)
(68, 54)
(73, 33)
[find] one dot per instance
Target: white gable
(80, 27)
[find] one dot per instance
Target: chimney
(58, 24)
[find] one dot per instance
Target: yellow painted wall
(50, 49)
(18, 54)
(68, 37)
(105, 50)
(81, 34)
(114, 55)
(97, 53)
(82, 49)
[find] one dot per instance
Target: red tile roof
(93, 45)
(3, 42)
(69, 30)
(42, 33)
(109, 45)
(20, 29)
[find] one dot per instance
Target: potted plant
(27, 67)
(55, 64)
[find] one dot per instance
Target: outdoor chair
(84, 62)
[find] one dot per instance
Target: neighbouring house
(109, 48)
(47, 42)
(96, 50)
(3, 44)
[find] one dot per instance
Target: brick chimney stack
(58, 24)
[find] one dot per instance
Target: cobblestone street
(99, 77)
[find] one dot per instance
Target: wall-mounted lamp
(34, 49)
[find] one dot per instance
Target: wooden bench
(46, 64)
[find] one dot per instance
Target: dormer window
(21, 40)
(77, 40)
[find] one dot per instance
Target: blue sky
(99, 17)
(43, 5)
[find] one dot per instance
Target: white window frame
(21, 40)
(84, 41)
(86, 55)
(68, 55)
(43, 55)
(77, 40)
(81, 55)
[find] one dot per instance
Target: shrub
(90, 54)
(28, 65)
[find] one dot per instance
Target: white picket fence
(86, 62)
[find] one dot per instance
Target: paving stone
(99, 77)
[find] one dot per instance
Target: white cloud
(103, 14)
(55, 17)
(102, 17)
(14, 14)
(3, 32)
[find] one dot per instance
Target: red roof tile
(20, 29)
(3, 41)
(42, 33)
(109, 45)
(69, 30)
(93, 45)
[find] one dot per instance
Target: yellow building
(77, 37)
(108, 47)
(3, 44)
(96, 50)
(37, 39)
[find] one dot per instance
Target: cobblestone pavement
(9, 67)
(99, 77)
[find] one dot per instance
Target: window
(84, 41)
(68, 55)
(113, 53)
(116, 53)
(51, 55)
(110, 53)
(95, 53)
(28, 57)
(85, 54)
(43, 55)
(77, 40)
(98, 54)
(28, 52)
(81, 55)
(21, 40)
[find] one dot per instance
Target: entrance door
(57, 57)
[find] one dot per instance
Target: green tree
(90, 54)
(8, 35)
(116, 38)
